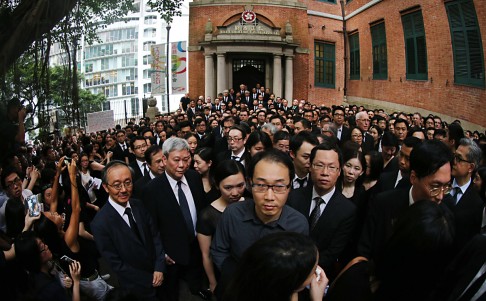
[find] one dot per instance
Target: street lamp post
(167, 66)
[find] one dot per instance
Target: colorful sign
(158, 69)
(179, 67)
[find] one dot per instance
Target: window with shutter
(354, 60)
(415, 46)
(466, 43)
(380, 61)
(324, 62)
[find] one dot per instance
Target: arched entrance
(248, 72)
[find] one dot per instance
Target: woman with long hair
(258, 141)
(203, 160)
(229, 178)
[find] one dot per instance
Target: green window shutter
(380, 61)
(325, 62)
(415, 46)
(466, 43)
(354, 59)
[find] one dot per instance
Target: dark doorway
(248, 72)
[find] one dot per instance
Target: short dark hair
(133, 139)
(7, 171)
(281, 135)
(150, 152)
(326, 146)
(455, 132)
(427, 157)
(297, 140)
(259, 136)
(241, 129)
(272, 155)
(282, 120)
(27, 251)
(411, 141)
(337, 108)
(376, 164)
(305, 123)
(401, 120)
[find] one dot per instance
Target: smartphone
(67, 260)
(67, 161)
(34, 206)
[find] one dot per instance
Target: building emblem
(248, 16)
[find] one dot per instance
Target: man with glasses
(126, 236)
(12, 184)
(175, 199)
(236, 141)
(139, 165)
(330, 215)
(465, 203)
(363, 123)
(245, 222)
(430, 176)
(342, 133)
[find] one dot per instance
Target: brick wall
(438, 93)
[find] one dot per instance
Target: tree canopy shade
(25, 23)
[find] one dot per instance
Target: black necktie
(457, 190)
(145, 170)
(301, 182)
(236, 158)
(133, 225)
(185, 210)
(316, 213)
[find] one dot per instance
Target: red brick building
(397, 55)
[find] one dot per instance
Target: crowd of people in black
(246, 197)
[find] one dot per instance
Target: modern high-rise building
(119, 64)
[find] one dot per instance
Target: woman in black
(229, 179)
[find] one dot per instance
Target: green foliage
(167, 9)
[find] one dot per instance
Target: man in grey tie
(331, 215)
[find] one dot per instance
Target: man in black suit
(236, 140)
(138, 146)
(363, 123)
(220, 134)
(191, 111)
(126, 236)
(331, 215)
(430, 176)
(300, 147)
(153, 158)
(174, 199)
(466, 204)
(399, 179)
(120, 151)
(342, 133)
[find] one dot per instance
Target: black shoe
(203, 294)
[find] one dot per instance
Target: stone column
(221, 74)
(209, 77)
(277, 75)
(289, 78)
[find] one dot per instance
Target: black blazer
(387, 182)
(227, 155)
(160, 200)
(137, 173)
(369, 144)
(139, 186)
(345, 135)
(468, 215)
(383, 212)
(119, 154)
(133, 261)
(334, 228)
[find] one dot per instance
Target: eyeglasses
(459, 159)
(118, 186)
(435, 191)
(321, 167)
(279, 188)
(140, 146)
(235, 139)
(16, 182)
